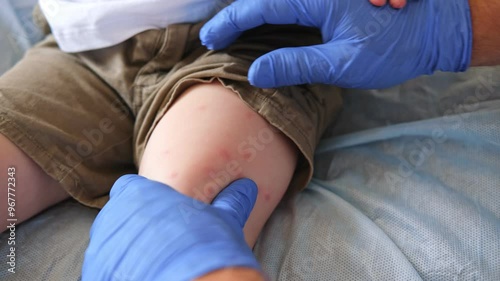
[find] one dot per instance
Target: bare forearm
(485, 27)
(231, 274)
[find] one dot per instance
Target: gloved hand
(148, 231)
(365, 46)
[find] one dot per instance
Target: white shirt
(81, 25)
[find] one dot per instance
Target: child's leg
(210, 138)
(32, 189)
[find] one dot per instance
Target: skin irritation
(174, 175)
(249, 115)
(247, 156)
(267, 194)
(233, 169)
(224, 140)
(223, 177)
(224, 154)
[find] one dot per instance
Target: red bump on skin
(224, 154)
(207, 170)
(210, 192)
(267, 196)
(239, 175)
(174, 175)
(247, 156)
(202, 107)
(249, 115)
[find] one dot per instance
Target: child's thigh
(209, 138)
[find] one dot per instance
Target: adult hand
(364, 46)
(148, 231)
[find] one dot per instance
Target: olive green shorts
(86, 118)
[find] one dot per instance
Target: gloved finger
(242, 15)
(303, 65)
(378, 2)
(237, 200)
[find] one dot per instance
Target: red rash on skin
(224, 154)
(249, 115)
(247, 156)
(202, 107)
(210, 192)
(173, 175)
(267, 195)
(207, 170)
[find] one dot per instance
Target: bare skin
(397, 4)
(210, 138)
(33, 190)
(486, 41)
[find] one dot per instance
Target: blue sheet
(407, 187)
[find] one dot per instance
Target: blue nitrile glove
(365, 46)
(148, 231)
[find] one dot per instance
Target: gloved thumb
(237, 200)
(301, 65)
